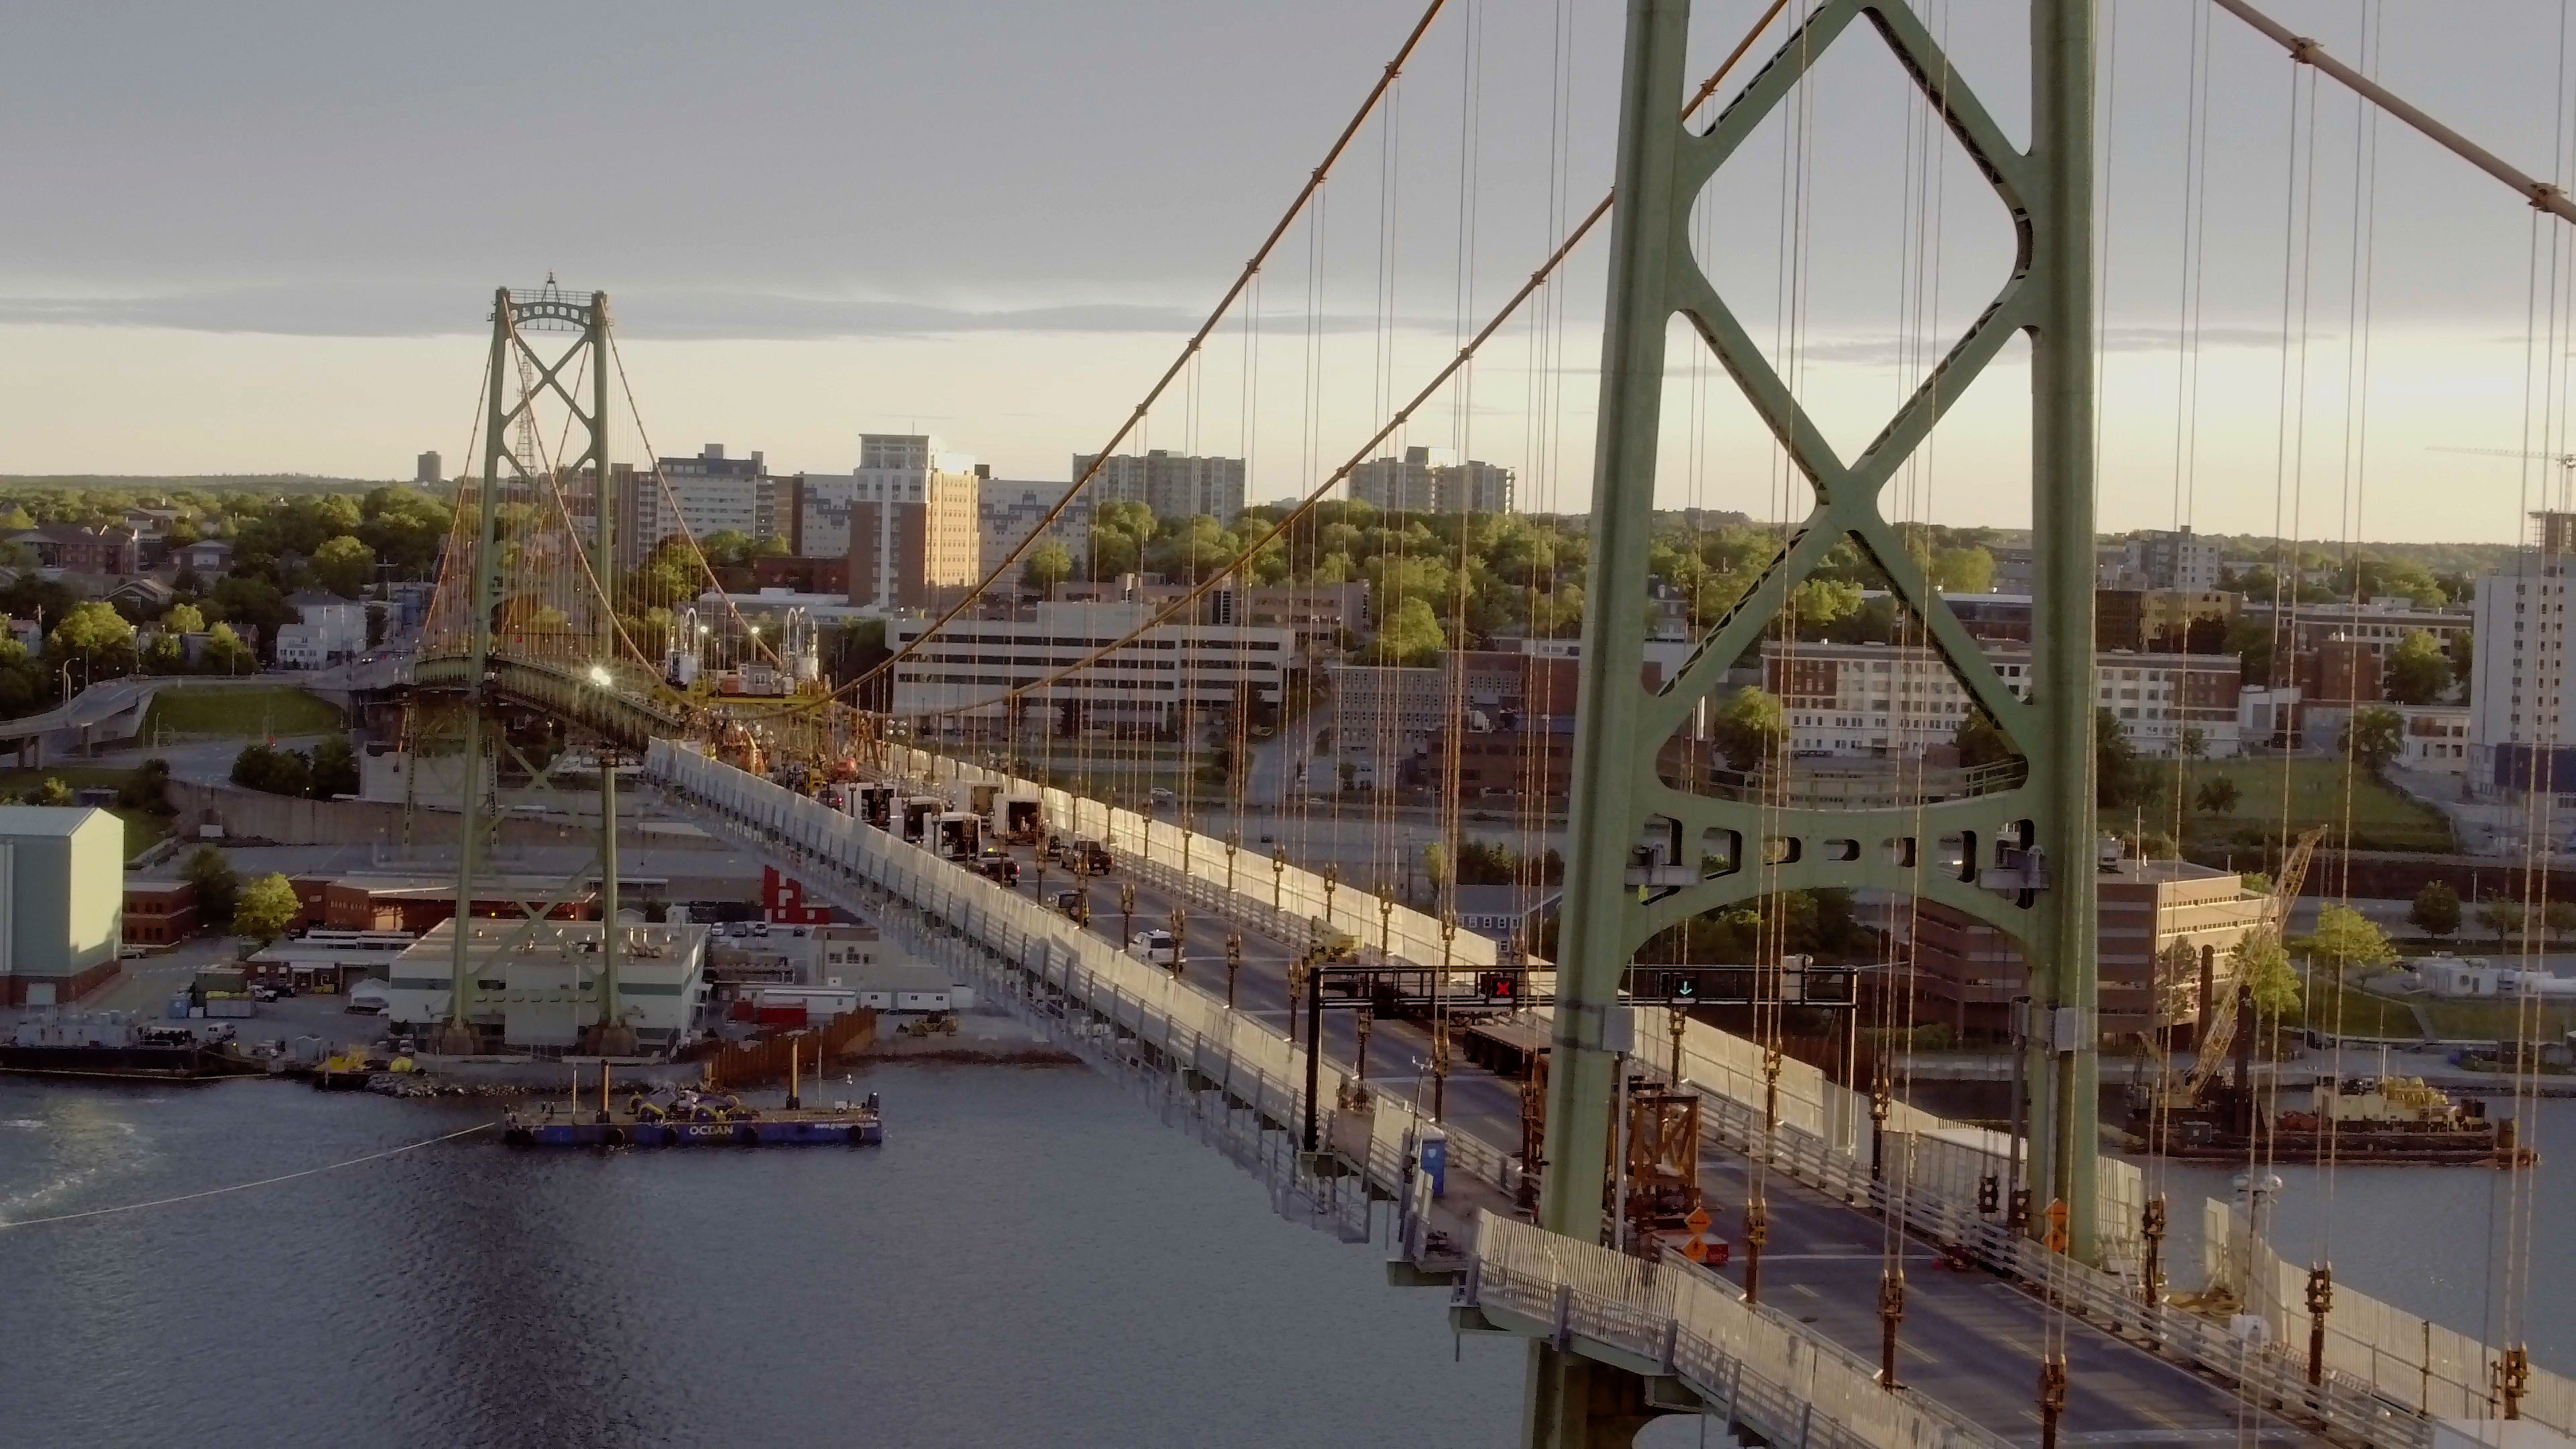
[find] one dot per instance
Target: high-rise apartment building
(2522, 696)
(2160, 559)
(708, 494)
(1008, 510)
(912, 524)
(1432, 480)
(1173, 485)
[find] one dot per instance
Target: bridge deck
(1972, 1338)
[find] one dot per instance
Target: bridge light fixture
(599, 675)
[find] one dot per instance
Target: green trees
(266, 908)
(1119, 532)
(2436, 911)
(1047, 565)
(23, 681)
(2375, 738)
(148, 790)
(1191, 549)
(726, 547)
(331, 769)
(96, 635)
(344, 565)
(255, 602)
(1963, 571)
(2348, 940)
(2252, 642)
(1750, 727)
(2216, 797)
(403, 527)
(273, 771)
(226, 653)
(2418, 671)
(52, 792)
(335, 768)
(1980, 742)
(217, 886)
(2260, 962)
(2500, 917)
(2121, 779)
(1409, 634)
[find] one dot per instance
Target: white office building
(1152, 683)
(1432, 480)
(2522, 698)
(1173, 485)
(708, 494)
(537, 983)
(2160, 559)
(1008, 510)
(1882, 701)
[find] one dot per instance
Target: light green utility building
(62, 912)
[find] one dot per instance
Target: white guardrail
(1750, 1364)
(1224, 1048)
(1754, 1365)
(1821, 1137)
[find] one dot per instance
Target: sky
(263, 237)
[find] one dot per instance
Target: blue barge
(698, 1123)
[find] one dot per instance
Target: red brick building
(113, 550)
(804, 575)
(159, 912)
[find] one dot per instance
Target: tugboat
(695, 1119)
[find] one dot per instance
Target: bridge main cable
(2545, 196)
(1511, 306)
(1242, 280)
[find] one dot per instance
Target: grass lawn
(2354, 1012)
(2500, 1020)
(239, 714)
(142, 827)
(2382, 819)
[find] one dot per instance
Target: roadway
(1971, 1340)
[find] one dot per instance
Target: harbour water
(1031, 1259)
(2434, 1241)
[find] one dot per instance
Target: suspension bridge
(1892, 1277)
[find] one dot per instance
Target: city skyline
(309, 299)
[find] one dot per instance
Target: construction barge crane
(2207, 1117)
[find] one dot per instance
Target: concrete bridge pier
(1580, 1403)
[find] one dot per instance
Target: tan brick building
(1966, 973)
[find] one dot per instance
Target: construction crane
(2566, 461)
(2220, 1027)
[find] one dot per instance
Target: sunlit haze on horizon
(263, 238)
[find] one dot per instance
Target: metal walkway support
(2019, 857)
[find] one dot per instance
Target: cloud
(1886, 350)
(425, 310)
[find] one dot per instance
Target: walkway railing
(1820, 1137)
(1751, 1365)
(1226, 1049)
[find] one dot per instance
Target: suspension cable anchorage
(2548, 196)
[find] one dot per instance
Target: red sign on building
(782, 901)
